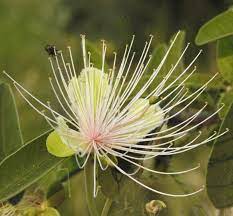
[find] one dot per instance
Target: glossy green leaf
(56, 147)
(10, 133)
(218, 27)
(225, 58)
(220, 167)
(26, 166)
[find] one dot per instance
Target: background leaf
(157, 55)
(109, 186)
(218, 27)
(58, 179)
(96, 55)
(197, 80)
(172, 57)
(132, 198)
(175, 53)
(95, 205)
(25, 167)
(225, 58)
(220, 167)
(226, 99)
(10, 133)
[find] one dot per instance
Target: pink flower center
(95, 137)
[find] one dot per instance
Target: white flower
(103, 115)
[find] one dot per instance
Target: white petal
(70, 137)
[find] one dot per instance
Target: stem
(225, 212)
(88, 177)
(56, 199)
(106, 207)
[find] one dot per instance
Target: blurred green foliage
(11, 137)
(27, 26)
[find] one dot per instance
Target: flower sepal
(56, 147)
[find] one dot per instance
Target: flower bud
(153, 100)
(154, 207)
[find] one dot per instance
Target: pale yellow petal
(152, 116)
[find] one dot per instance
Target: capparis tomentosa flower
(120, 112)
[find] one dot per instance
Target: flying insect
(51, 50)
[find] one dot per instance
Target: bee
(51, 50)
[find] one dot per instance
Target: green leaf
(88, 174)
(175, 53)
(226, 99)
(79, 195)
(109, 186)
(157, 55)
(59, 178)
(56, 147)
(220, 167)
(26, 166)
(96, 55)
(218, 27)
(132, 198)
(199, 79)
(172, 57)
(170, 61)
(95, 205)
(225, 58)
(57, 198)
(10, 133)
